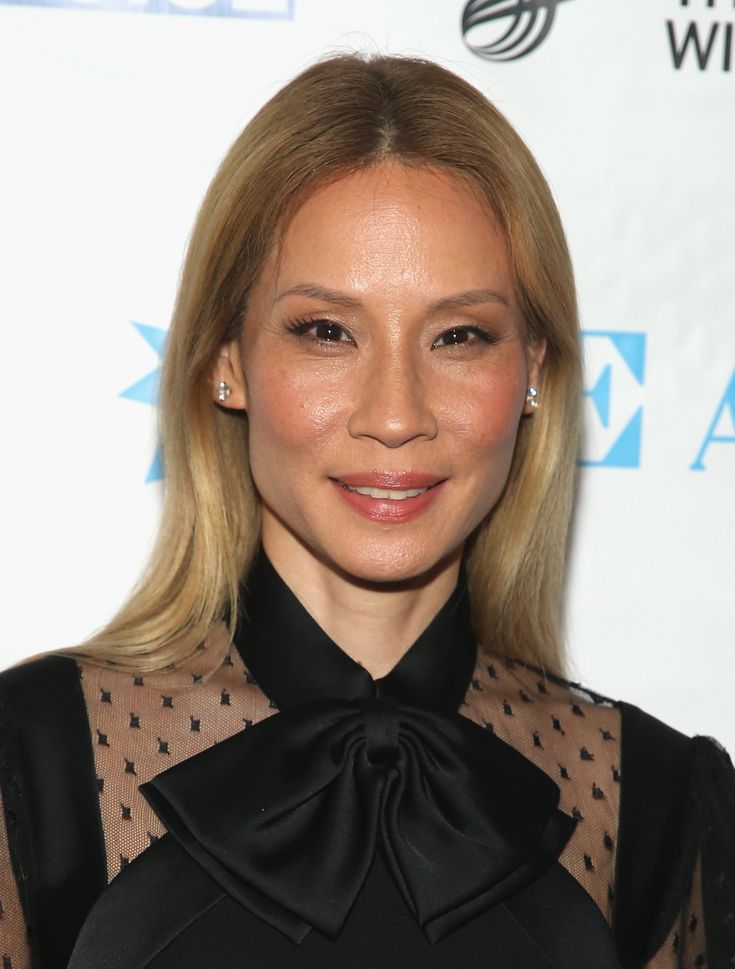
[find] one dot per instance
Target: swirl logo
(504, 30)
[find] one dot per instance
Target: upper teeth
(388, 492)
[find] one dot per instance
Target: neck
(375, 623)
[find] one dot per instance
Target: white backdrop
(112, 123)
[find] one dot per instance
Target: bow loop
(294, 808)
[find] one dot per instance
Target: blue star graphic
(145, 390)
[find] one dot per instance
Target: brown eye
(329, 332)
(459, 335)
(320, 331)
(453, 337)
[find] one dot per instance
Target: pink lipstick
(389, 496)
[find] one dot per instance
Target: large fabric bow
(286, 816)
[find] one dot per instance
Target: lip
(397, 480)
(390, 511)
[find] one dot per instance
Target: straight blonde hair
(341, 115)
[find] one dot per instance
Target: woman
(370, 416)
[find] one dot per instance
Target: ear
(535, 356)
(228, 368)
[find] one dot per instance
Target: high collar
(294, 661)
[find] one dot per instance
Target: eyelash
(484, 335)
(302, 325)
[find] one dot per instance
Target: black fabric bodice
(366, 824)
(389, 823)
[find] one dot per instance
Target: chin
(389, 556)
(380, 563)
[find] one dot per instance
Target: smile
(391, 498)
(389, 493)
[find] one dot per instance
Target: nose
(392, 403)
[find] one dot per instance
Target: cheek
(289, 414)
(486, 426)
(486, 418)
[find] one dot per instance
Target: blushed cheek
(289, 416)
(489, 422)
(489, 445)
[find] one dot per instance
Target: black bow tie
(287, 815)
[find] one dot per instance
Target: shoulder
(61, 681)
(530, 705)
(649, 800)
(518, 699)
(26, 679)
(39, 696)
(118, 729)
(505, 690)
(72, 699)
(165, 715)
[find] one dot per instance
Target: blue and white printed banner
(115, 115)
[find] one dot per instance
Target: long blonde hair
(340, 115)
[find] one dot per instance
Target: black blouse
(372, 823)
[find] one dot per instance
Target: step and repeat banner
(113, 117)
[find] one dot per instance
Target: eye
(460, 335)
(320, 330)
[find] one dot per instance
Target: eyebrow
(470, 297)
(313, 291)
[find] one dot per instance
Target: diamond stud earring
(532, 397)
(223, 391)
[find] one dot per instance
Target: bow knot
(287, 815)
(380, 720)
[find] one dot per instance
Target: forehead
(392, 224)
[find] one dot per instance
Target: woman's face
(384, 369)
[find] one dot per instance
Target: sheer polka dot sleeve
(703, 933)
(686, 946)
(14, 950)
(713, 893)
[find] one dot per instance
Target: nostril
(393, 407)
(380, 717)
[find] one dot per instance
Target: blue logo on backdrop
(504, 30)
(616, 362)
(722, 428)
(145, 390)
(260, 9)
